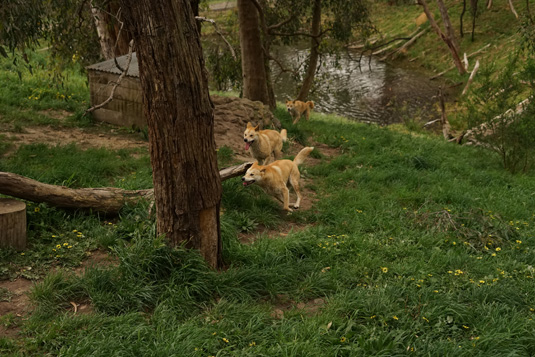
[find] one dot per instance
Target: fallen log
(395, 53)
(108, 200)
(468, 56)
(469, 136)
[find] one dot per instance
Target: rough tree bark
(252, 54)
(450, 42)
(179, 112)
(314, 52)
(106, 42)
(12, 224)
(113, 40)
(108, 200)
(450, 33)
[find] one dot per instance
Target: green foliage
(224, 70)
(64, 25)
(501, 123)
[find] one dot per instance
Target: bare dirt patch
(96, 258)
(95, 137)
(14, 305)
(284, 305)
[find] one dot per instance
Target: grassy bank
(497, 27)
(412, 246)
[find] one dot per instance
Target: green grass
(36, 97)
(413, 246)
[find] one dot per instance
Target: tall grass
(413, 246)
(31, 95)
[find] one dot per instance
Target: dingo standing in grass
(296, 108)
(263, 143)
(275, 177)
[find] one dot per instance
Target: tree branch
(204, 19)
(110, 98)
(280, 24)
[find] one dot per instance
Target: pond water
(368, 90)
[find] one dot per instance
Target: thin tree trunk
(449, 42)
(461, 19)
(450, 33)
(314, 52)
(252, 53)
(180, 118)
(473, 4)
(452, 67)
(107, 43)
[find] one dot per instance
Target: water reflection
(369, 91)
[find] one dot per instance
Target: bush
(501, 110)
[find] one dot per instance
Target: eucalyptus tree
(83, 30)
(179, 112)
(327, 24)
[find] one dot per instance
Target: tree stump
(12, 224)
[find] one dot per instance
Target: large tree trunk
(180, 119)
(450, 42)
(314, 52)
(252, 54)
(12, 224)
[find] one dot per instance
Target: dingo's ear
(256, 127)
(262, 171)
(249, 125)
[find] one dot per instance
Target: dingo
(274, 178)
(263, 143)
(297, 108)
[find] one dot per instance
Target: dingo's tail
(310, 104)
(284, 135)
(303, 155)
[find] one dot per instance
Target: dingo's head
(290, 105)
(255, 173)
(250, 135)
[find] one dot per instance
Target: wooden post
(12, 224)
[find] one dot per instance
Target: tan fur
(264, 143)
(297, 108)
(275, 177)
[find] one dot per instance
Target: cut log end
(12, 224)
